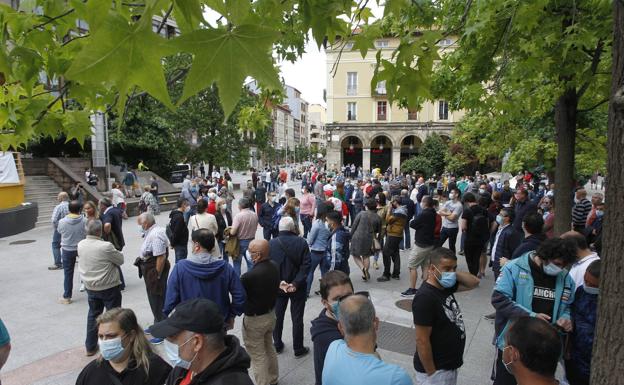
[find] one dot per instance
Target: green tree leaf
(125, 55)
(227, 57)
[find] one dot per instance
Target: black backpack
(480, 226)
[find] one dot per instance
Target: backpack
(142, 206)
(480, 226)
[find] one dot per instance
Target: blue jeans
(268, 232)
(98, 300)
(190, 213)
(69, 262)
(243, 244)
(405, 242)
(306, 221)
(316, 258)
(181, 252)
(56, 248)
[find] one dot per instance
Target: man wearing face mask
(154, 265)
(205, 275)
(190, 192)
(537, 285)
(583, 312)
(505, 241)
(451, 212)
(334, 285)
(199, 349)
(261, 285)
(584, 256)
(265, 216)
(440, 330)
(532, 350)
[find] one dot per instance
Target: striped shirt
(580, 212)
(59, 212)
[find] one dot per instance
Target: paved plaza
(48, 338)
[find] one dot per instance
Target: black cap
(199, 315)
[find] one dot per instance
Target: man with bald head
(59, 212)
(261, 285)
(354, 360)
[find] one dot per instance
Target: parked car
(180, 171)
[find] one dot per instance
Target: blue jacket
(508, 241)
(265, 216)
(214, 281)
(513, 296)
(584, 321)
(318, 236)
(337, 248)
(292, 255)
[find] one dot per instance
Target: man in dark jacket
(265, 216)
(199, 349)
(260, 195)
(179, 230)
(203, 275)
(292, 255)
(348, 190)
(532, 226)
(411, 210)
(475, 228)
(522, 207)
(505, 240)
(424, 224)
(334, 286)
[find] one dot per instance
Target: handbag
(232, 246)
(376, 244)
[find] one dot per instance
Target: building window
(381, 88)
(412, 114)
(351, 111)
(351, 83)
(443, 110)
(382, 44)
(381, 110)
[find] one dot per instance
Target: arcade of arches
(379, 151)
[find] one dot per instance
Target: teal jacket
(513, 296)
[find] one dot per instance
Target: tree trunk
(608, 355)
(565, 125)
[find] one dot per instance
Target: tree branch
(594, 106)
(75, 38)
(164, 20)
(50, 20)
(593, 68)
(60, 96)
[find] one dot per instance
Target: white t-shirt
(455, 208)
(118, 196)
(577, 272)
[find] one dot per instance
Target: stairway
(43, 190)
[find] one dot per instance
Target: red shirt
(212, 207)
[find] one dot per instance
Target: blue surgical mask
(111, 349)
(591, 290)
(173, 353)
(447, 279)
(336, 309)
(552, 269)
(499, 219)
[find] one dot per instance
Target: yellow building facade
(362, 127)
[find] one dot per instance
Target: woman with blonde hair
(125, 354)
(291, 209)
(90, 211)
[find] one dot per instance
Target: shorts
(419, 256)
(439, 377)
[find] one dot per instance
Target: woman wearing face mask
(535, 284)
(224, 220)
(125, 354)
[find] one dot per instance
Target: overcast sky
(308, 74)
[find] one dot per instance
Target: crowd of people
(546, 286)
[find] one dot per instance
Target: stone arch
(388, 137)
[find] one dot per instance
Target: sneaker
(147, 331)
(82, 287)
(409, 292)
(303, 352)
(383, 278)
(55, 267)
(279, 349)
(375, 265)
(490, 317)
(396, 277)
(156, 341)
(461, 252)
(318, 292)
(64, 301)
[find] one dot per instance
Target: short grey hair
(147, 218)
(404, 193)
(357, 315)
(286, 223)
(94, 227)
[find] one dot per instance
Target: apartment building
(363, 128)
(318, 118)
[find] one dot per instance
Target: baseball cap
(199, 315)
